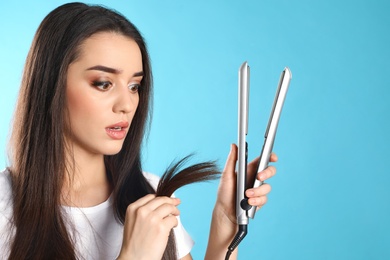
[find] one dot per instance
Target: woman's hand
(223, 225)
(147, 225)
(257, 197)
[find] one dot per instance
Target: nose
(125, 101)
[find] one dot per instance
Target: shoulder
(5, 195)
(152, 179)
(5, 212)
(5, 190)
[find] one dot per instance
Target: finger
(148, 203)
(170, 222)
(267, 173)
(166, 210)
(273, 157)
(252, 166)
(259, 191)
(161, 200)
(258, 201)
(148, 211)
(139, 203)
(230, 165)
(132, 210)
(144, 200)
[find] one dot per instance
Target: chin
(112, 150)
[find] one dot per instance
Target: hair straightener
(244, 211)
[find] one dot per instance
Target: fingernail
(231, 149)
(250, 193)
(252, 201)
(263, 176)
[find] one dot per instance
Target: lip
(117, 134)
(122, 124)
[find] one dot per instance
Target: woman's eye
(134, 87)
(102, 85)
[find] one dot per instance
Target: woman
(75, 188)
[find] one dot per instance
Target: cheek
(76, 104)
(81, 106)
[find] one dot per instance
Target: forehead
(111, 49)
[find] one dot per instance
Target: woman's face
(102, 94)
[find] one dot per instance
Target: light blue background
(330, 198)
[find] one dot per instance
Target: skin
(223, 224)
(98, 98)
(92, 108)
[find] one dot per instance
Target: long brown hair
(38, 148)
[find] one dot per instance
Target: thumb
(231, 161)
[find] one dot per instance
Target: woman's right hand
(147, 225)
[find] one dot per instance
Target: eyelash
(106, 85)
(134, 87)
(102, 85)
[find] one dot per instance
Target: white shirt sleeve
(5, 214)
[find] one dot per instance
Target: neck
(86, 182)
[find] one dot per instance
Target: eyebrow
(113, 71)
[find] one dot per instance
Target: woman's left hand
(257, 197)
(223, 224)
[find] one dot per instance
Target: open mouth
(116, 128)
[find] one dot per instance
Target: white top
(97, 235)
